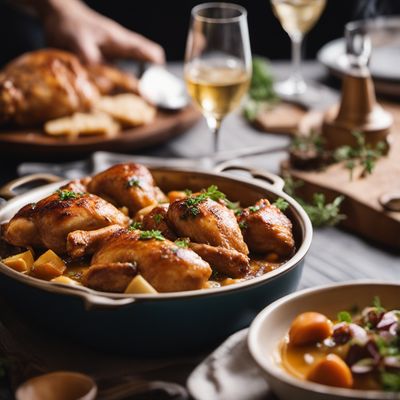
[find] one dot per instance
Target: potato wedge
(139, 285)
(21, 262)
(65, 280)
(48, 266)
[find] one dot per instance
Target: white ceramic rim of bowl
(282, 376)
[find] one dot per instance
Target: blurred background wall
(166, 21)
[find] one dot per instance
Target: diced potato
(176, 195)
(21, 262)
(48, 266)
(144, 211)
(65, 280)
(139, 285)
(124, 210)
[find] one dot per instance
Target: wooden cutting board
(35, 145)
(365, 215)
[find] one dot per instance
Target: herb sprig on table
(261, 91)
(362, 154)
(320, 212)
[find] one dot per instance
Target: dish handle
(271, 179)
(8, 190)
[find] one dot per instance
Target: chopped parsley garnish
(68, 194)
(188, 192)
(182, 243)
(281, 204)
(376, 302)
(133, 182)
(344, 316)
(153, 234)
(242, 225)
(158, 218)
(33, 205)
(253, 209)
(135, 225)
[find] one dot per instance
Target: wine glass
(217, 61)
(297, 17)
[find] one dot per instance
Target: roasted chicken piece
(48, 222)
(267, 229)
(167, 267)
(206, 221)
(157, 219)
(130, 185)
(44, 85)
(112, 277)
(111, 80)
(227, 261)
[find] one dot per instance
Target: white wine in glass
(218, 61)
(297, 17)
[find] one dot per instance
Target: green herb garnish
(376, 302)
(133, 182)
(153, 234)
(281, 204)
(344, 316)
(188, 192)
(242, 225)
(182, 243)
(362, 154)
(390, 381)
(68, 194)
(158, 218)
(135, 225)
(254, 209)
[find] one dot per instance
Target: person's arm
(72, 25)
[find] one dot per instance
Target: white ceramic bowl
(272, 324)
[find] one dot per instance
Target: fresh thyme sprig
(363, 155)
(320, 212)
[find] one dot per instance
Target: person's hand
(73, 26)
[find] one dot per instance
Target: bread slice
(82, 124)
(128, 109)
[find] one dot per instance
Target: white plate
(384, 64)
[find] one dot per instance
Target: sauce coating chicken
(267, 229)
(167, 267)
(130, 185)
(206, 222)
(48, 222)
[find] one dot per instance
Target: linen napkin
(229, 373)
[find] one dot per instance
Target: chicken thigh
(267, 229)
(48, 222)
(130, 185)
(206, 221)
(167, 267)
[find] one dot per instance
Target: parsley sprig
(281, 204)
(133, 182)
(362, 155)
(182, 243)
(135, 225)
(153, 234)
(68, 194)
(261, 91)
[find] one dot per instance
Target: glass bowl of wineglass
(217, 61)
(297, 17)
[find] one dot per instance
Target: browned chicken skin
(209, 222)
(167, 267)
(48, 222)
(157, 219)
(130, 185)
(43, 85)
(267, 229)
(228, 262)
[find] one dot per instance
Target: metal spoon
(163, 89)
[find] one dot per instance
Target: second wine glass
(218, 60)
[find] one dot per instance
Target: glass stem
(215, 125)
(296, 60)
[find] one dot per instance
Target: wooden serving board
(36, 145)
(365, 215)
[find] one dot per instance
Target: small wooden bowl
(62, 385)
